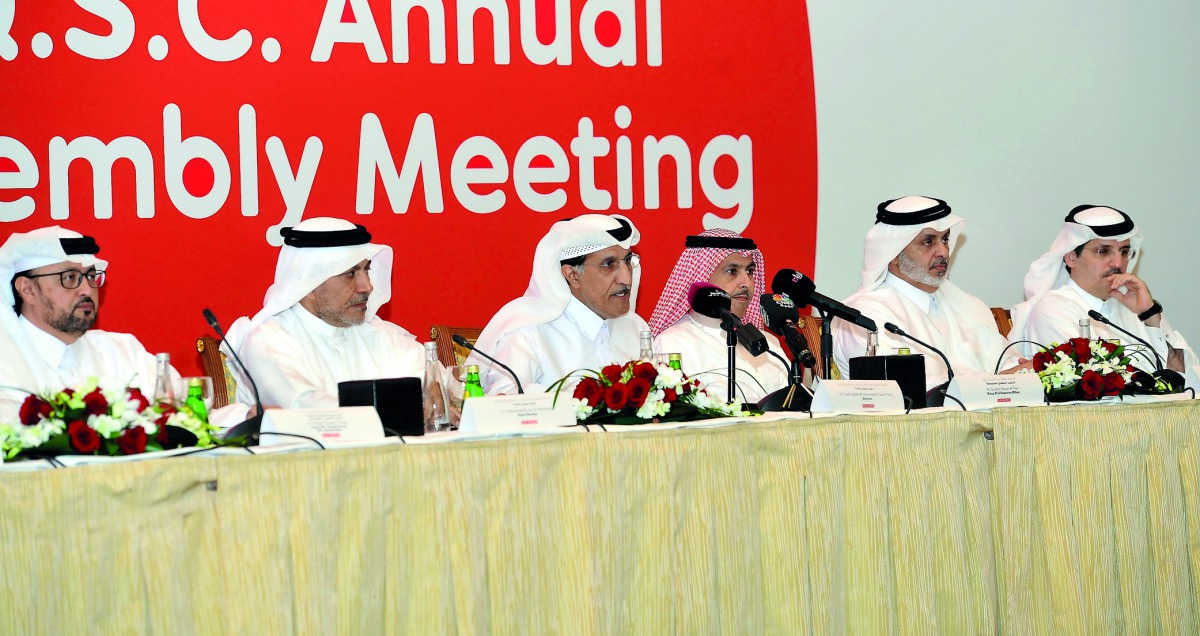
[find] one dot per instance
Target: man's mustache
(359, 298)
(623, 290)
(1112, 272)
(939, 260)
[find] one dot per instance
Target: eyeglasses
(610, 264)
(1104, 251)
(73, 278)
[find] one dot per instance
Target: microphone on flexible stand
(466, 344)
(1097, 316)
(940, 389)
(1171, 377)
(248, 429)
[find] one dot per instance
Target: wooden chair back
(449, 353)
(1003, 320)
(212, 359)
(810, 326)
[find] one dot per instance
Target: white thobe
(957, 323)
(297, 359)
(543, 354)
(1056, 316)
(114, 359)
(701, 343)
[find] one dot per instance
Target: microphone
(1095, 315)
(466, 344)
(801, 288)
(249, 428)
(712, 301)
(900, 332)
(780, 315)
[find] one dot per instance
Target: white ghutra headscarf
(548, 293)
(897, 223)
(39, 248)
(1049, 272)
(314, 251)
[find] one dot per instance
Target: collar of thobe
(1097, 304)
(704, 322)
(48, 346)
(590, 324)
(919, 297)
(318, 327)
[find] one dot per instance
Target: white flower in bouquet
(106, 425)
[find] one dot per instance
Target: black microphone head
(894, 329)
(777, 310)
(461, 341)
(1097, 316)
(795, 284)
(709, 300)
(212, 321)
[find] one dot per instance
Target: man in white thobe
(904, 281)
(318, 325)
(577, 313)
(1089, 268)
(52, 279)
(733, 263)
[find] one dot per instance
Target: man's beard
(922, 275)
(343, 318)
(70, 323)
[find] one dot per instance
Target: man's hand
(1175, 358)
(1136, 297)
(1022, 363)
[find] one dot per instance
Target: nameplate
(981, 391)
(515, 413)
(1193, 377)
(857, 396)
(345, 424)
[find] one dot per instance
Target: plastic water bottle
(436, 416)
(647, 348)
(164, 390)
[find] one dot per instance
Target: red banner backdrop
(183, 135)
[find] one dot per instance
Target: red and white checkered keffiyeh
(697, 264)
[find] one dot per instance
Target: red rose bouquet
(1082, 369)
(90, 420)
(640, 392)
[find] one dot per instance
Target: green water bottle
(472, 387)
(195, 399)
(675, 361)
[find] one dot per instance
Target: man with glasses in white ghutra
(1089, 267)
(50, 280)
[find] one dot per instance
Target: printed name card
(857, 396)
(981, 391)
(516, 413)
(345, 424)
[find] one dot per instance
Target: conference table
(1067, 519)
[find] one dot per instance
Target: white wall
(1013, 112)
